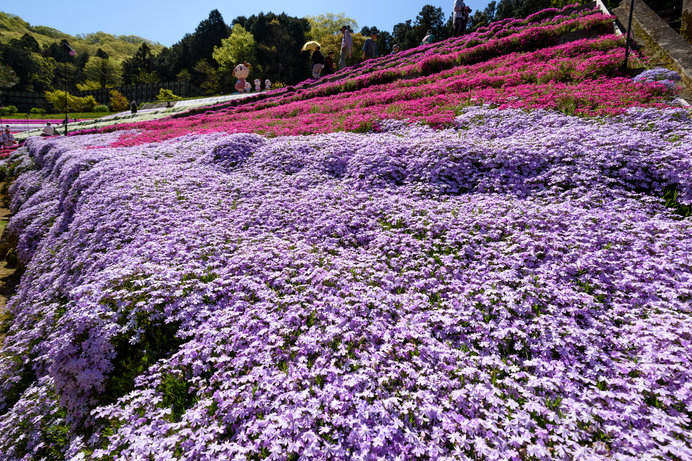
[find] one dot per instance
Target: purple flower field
(513, 287)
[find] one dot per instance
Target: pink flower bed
(576, 78)
(511, 64)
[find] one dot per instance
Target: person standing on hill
(346, 46)
(370, 47)
(317, 62)
(428, 39)
(461, 17)
(459, 6)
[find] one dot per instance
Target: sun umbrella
(311, 45)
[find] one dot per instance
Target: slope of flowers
(510, 287)
(512, 64)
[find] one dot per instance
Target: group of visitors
(321, 64)
(7, 139)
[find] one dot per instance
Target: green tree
(167, 95)
(328, 24)
(482, 18)
(104, 71)
(44, 73)
(58, 98)
(21, 62)
(240, 46)
(140, 67)
(27, 42)
(119, 102)
(404, 35)
(279, 39)
(185, 54)
(8, 77)
(184, 76)
(430, 18)
(208, 35)
(88, 85)
(210, 78)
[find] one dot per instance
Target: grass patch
(77, 115)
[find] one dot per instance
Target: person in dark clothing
(317, 62)
(329, 63)
(370, 47)
(133, 107)
(461, 17)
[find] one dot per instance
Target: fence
(25, 100)
(146, 92)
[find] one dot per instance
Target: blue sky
(167, 21)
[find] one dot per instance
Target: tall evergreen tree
(279, 39)
(27, 43)
(209, 34)
(404, 35)
(430, 18)
(140, 67)
(482, 18)
(101, 54)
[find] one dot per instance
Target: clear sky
(167, 21)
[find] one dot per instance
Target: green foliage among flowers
(63, 101)
(8, 110)
(118, 102)
(167, 95)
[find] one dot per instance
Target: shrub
(8, 110)
(87, 103)
(37, 110)
(118, 101)
(167, 95)
(101, 108)
(58, 98)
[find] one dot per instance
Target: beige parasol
(311, 45)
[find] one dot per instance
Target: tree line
(270, 42)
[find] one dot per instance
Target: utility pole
(68, 51)
(629, 34)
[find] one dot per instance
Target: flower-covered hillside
(555, 59)
(510, 284)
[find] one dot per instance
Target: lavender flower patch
(666, 77)
(513, 287)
